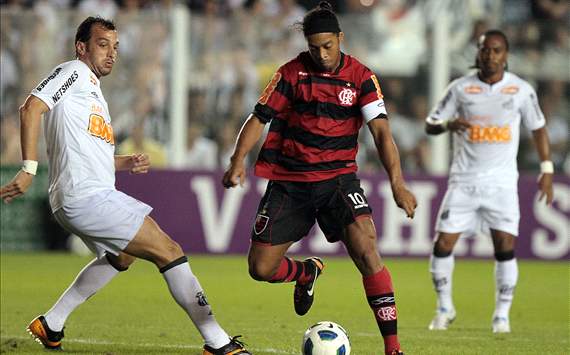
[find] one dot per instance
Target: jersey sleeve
(371, 99)
(60, 83)
(277, 96)
(446, 108)
(531, 114)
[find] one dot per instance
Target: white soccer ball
(326, 338)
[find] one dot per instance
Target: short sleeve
(276, 97)
(60, 83)
(531, 114)
(446, 107)
(371, 99)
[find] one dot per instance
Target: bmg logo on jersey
(490, 134)
(101, 129)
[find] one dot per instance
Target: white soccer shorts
(106, 221)
(466, 208)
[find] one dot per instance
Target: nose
(323, 53)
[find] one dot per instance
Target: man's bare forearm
(248, 137)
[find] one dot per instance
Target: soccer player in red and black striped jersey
(316, 105)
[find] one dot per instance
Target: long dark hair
(319, 19)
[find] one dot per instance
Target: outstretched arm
(248, 136)
(542, 144)
(436, 127)
(30, 123)
(388, 153)
(136, 163)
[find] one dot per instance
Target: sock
(188, 293)
(292, 270)
(442, 271)
(91, 279)
(506, 275)
(380, 295)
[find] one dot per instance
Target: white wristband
(546, 167)
(30, 167)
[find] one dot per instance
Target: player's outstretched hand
(458, 125)
(140, 163)
(234, 175)
(545, 188)
(405, 199)
(17, 187)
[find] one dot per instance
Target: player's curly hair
(497, 33)
(320, 19)
(83, 33)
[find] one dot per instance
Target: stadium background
(187, 76)
(190, 72)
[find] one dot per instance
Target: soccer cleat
(305, 294)
(40, 331)
(397, 352)
(501, 325)
(442, 319)
(234, 347)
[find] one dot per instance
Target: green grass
(134, 314)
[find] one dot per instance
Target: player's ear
(80, 48)
(340, 37)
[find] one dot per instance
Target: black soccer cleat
(397, 352)
(305, 294)
(40, 331)
(234, 347)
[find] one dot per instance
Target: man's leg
(269, 263)
(91, 279)
(360, 241)
(152, 244)
(48, 328)
(441, 267)
(506, 276)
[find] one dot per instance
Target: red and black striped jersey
(315, 119)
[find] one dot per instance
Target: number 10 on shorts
(358, 200)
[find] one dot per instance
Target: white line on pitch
(144, 345)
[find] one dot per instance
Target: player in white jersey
(82, 191)
(484, 112)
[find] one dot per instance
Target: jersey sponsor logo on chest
(96, 109)
(510, 90)
(490, 134)
(473, 89)
(101, 129)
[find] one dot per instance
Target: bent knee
(261, 272)
(443, 247)
(120, 262)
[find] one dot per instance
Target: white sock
(91, 279)
(441, 271)
(506, 276)
(188, 293)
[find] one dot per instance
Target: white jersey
(78, 132)
(487, 152)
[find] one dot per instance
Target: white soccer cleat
(501, 325)
(442, 319)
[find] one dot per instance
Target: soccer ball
(326, 338)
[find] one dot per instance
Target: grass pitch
(135, 314)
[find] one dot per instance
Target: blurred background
(190, 72)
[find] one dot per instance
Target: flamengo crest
(346, 96)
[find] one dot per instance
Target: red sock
(380, 295)
(291, 270)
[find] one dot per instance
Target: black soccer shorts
(288, 209)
